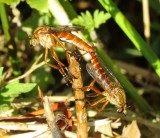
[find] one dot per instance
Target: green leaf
(40, 5)
(1, 71)
(100, 18)
(14, 89)
(91, 22)
(43, 77)
(11, 2)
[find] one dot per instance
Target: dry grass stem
(79, 98)
(146, 20)
(50, 117)
(61, 98)
(69, 134)
(33, 67)
(130, 117)
(23, 126)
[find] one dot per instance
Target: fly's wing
(94, 74)
(108, 72)
(97, 76)
(66, 28)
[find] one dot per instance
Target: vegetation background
(125, 37)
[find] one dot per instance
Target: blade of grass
(131, 90)
(62, 11)
(132, 34)
(9, 41)
(4, 21)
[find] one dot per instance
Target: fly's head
(120, 97)
(117, 97)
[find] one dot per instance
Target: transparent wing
(66, 28)
(93, 73)
(97, 76)
(108, 71)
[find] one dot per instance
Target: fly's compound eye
(33, 42)
(30, 43)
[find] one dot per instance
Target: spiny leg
(67, 76)
(55, 41)
(54, 56)
(60, 67)
(91, 87)
(45, 59)
(94, 104)
(53, 38)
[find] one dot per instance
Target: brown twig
(33, 67)
(50, 117)
(79, 98)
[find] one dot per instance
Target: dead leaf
(131, 131)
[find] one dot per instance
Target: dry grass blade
(132, 130)
(50, 117)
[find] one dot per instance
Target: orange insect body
(113, 90)
(71, 38)
(46, 35)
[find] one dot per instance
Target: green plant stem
(4, 21)
(132, 34)
(131, 90)
(9, 41)
(64, 8)
(68, 9)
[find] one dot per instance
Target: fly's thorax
(42, 30)
(42, 40)
(45, 41)
(41, 37)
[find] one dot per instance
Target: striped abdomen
(73, 39)
(104, 77)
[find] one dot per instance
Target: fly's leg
(58, 42)
(56, 58)
(45, 59)
(60, 67)
(78, 56)
(55, 41)
(102, 100)
(91, 87)
(88, 88)
(94, 104)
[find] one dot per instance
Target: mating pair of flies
(50, 37)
